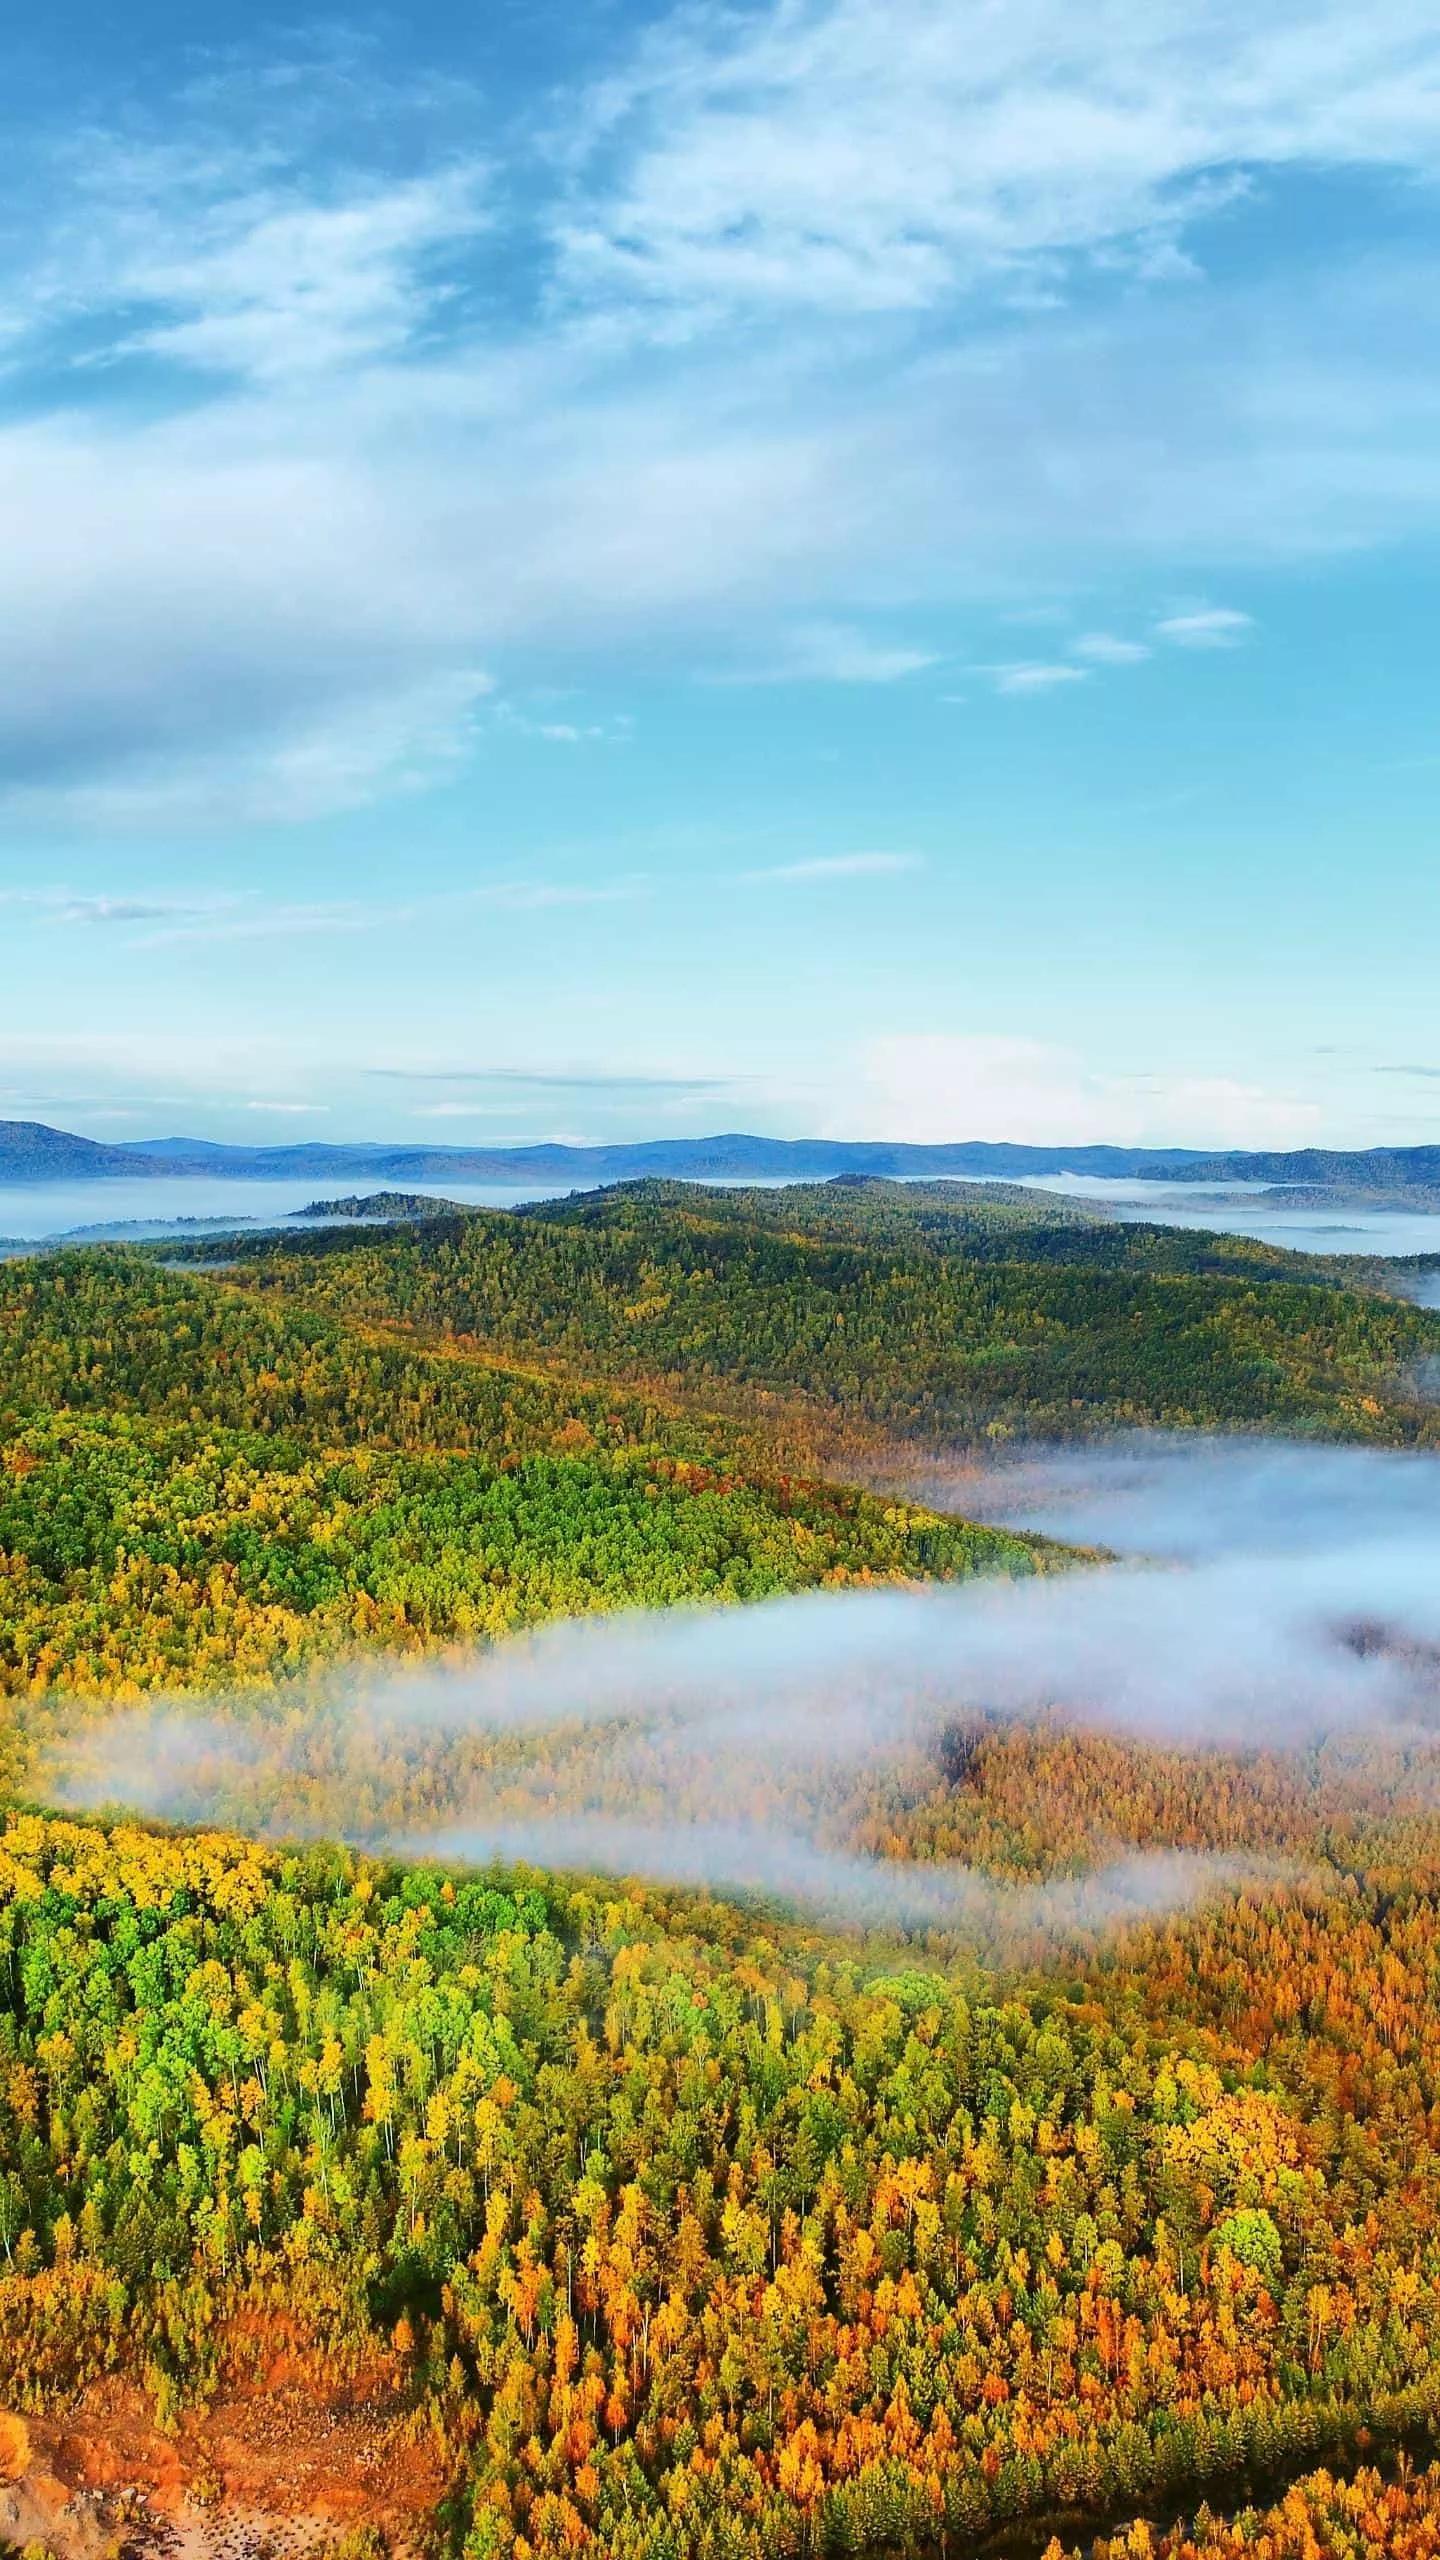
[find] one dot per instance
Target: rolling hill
(850, 1313)
(31, 1152)
(576, 2217)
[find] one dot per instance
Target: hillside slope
(197, 1487)
(31, 1152)
(588, 2220)
(868, 1313)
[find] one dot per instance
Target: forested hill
(878, 1309)
(629, 2223)
(200, 1485)
(452, 1427)
(972, 1221)
(380, 1205)
(31, 1152)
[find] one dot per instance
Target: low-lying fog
(1287, 1594)
(1151, 1493)
(36, 1212)
(1256, 1209)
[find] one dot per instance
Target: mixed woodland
(679, 2221)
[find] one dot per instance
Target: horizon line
(146, 1148)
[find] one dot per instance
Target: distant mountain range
(30, 1152)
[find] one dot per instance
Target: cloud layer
(792, 319)
(822, 156)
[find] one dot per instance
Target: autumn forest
(1036, 2151)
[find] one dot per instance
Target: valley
(700, 1995)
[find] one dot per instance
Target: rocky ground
(275, 2470)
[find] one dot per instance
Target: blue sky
(852, 565)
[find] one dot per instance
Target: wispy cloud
(278, 921)
(192, 251)
(281, 920)
(71, 907)
(796, 318)
(1105, 649)
(1215, 626)
(1031, 675)
(122, 910)
(544, 1079)
(832, 157)
(618, 730)
(831, 653)
(403, 738)
(522, 895)
(839, 866)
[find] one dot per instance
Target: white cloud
(405, 738)
(267, 591)
(237, 919)
(71, 907)
(1214, 626)
(295, 288)
(1104, 649)
(195, 252)
(839, 866)
(164, 652)
(280, 921)
(1031, 675)
(849, 156)
(942, 1086)
(102, 910)
(836, 653)
(663, 1085)
(522, 895)
(564, 733)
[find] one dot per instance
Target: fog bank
(1165, 1494)
(1297, 1599)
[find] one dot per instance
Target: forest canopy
(672, 2222)
(864, 1311)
